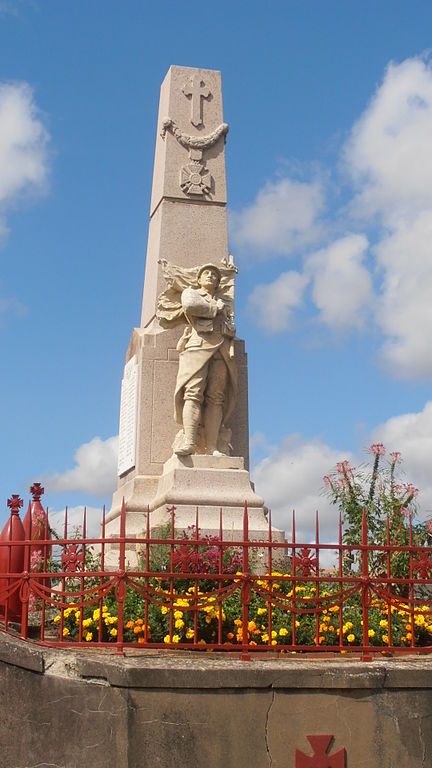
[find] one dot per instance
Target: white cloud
(291, 477)
(75, 519)
(272, 304)
(404, 308)
(23, 144)
(95, 470)
(388, 154)
(390, 161)
(411, 434)
(283, 217)
(342, 286)
(11, 306)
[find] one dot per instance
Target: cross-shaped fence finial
(14, 503)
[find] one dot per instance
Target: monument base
(190, 483)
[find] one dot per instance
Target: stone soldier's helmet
(213, 267)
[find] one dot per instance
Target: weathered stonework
(66, 709)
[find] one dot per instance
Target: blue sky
(330, 197)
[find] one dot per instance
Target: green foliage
(389, 505)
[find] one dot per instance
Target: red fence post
(246, 589)
(12, 560)
(365, 590)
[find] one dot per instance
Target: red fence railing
(168, 589)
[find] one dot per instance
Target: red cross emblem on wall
(320, 757)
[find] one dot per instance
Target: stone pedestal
(210, 484)
(187, 228)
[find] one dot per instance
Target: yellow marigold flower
(273, 642)
(274, 634)
(139, 622)
(88, 637)
(371, 632)
(189, 633)
(167, 639)
(252, 642)
(385, 639)
(137, 630)
(65, 631)
(113, 632)
(261, 611)
(77, 614)
(129, 625)
(330, 628)
(383, 623)
(57, 618)
(96, 614)
(276, 586)
(408, 635)
(238, 622)
(202, 642)
(420, 620)
(164, 610)
(334, 608)
(68, 612)
(141, 640)
(251, 626)
(87, 622)
(351, 638)
(178, 614)
(297, 623)
(179, 624)
(264, 637)
(283, 631)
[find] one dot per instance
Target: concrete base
(69, 709)
(209, 483)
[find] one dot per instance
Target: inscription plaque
(128, 417)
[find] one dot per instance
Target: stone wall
(64, 709)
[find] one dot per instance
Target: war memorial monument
(184, 437)
(73, 696)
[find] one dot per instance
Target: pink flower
(326, 480)
(410, 490)
(343, 467)
(429, 526)
(405, 512)
(377, 449)
(396, 457)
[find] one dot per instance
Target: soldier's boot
(212, 423)
(191, 420)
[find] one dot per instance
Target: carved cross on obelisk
(196, 89)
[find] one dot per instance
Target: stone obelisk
(188, 228)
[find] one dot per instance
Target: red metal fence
(208, 593)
